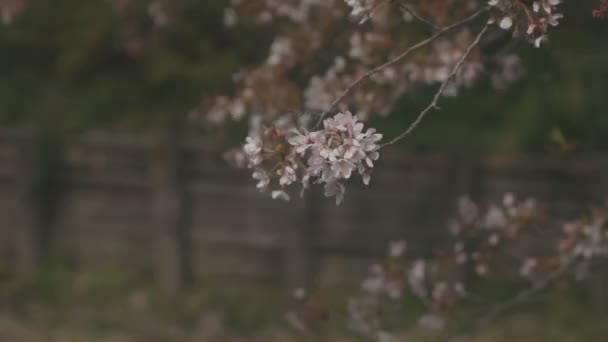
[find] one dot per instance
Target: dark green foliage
(565, 89)
(65, 59)
(62, 65)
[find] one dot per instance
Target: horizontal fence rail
(158, 206)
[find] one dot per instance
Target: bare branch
(518, 299)
(373, 9)
(434, 103)
(397, 59)
(407, 8)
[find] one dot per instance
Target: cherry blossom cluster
(384, 89)
(272, 159)
(531, 19)
(362, 9)
(602, 11)
(437, 66)
(9, 9)
(516, 233)
(265, 12)
(587, 237)
(478, 235)
(329, 156)
(292, 78)
(314, 58)
(358, 6)
(511, 239)
(433, 282)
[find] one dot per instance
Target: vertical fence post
(38, 162)
(298, 244)
(27, 246)
(169, 263)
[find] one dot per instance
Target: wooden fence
(156, 206)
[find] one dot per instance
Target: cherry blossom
(602, 11)
(328, 156)
(442, 283)
(528, 267)
(10, 9)
(358, 7)
(531, 19)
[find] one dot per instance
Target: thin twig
(407, 8)
(376, 6)
(434, 103)
(518, 299)
(395, 60)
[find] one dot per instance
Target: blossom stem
(434, 103)
(407, 8)
(396, 60)
(520, 298)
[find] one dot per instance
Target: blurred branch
(434, 103)
(405, 7)
(397, 59)
(376, 6)
(518, 299)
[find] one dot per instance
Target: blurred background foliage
(81, 65)
(65, 69)
(71, 65)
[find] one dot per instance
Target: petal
(280, 194)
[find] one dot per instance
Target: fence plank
(167, 205)
(298, 244)
(409, 198)
(27, 233)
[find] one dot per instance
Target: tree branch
(518, 299)
(376, 6)
(397, 59)
(434, 103)
(407, 8)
